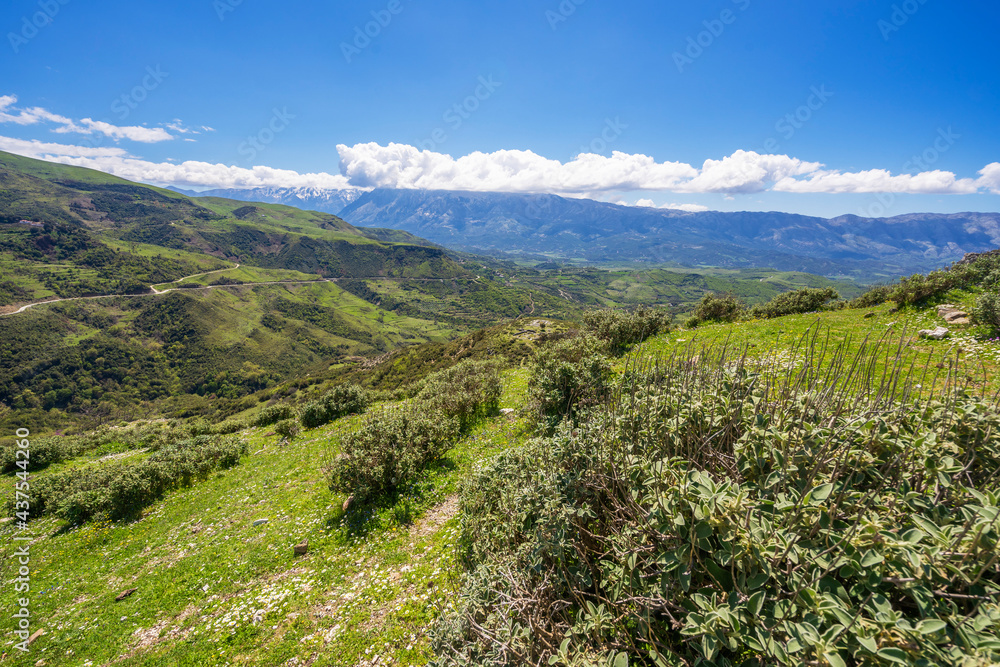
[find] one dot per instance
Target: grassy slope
(203, 571)
(371, 583)
(978, 357)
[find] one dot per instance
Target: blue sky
(817, 107)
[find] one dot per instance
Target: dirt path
(196, 275)
(104, 296)
(156, 292)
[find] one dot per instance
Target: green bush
(567, 378)
(918, 288)
(874, 296)
(42, 453)
(977, 271)
(987, 310)
(801, 301)
(287, 428)
(345, 399)
(273, 414)
(719, 308)
(102, 441)
(119, 490)
(621, 328)
(230, 426)
(710, 518)
(390, 449)
(467, 391)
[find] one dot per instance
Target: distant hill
(599, 232)
(180, 323)
(309, 199)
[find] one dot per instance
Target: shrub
(719, 308)
(390, 449)
(874, 296)
(287, 428)
(273, 414)
(467, 391)
(345, 399)
(229, 427)
(806, 300)
(918, 288)
(567, 378)
(987, 310)
(620, 328)
(709, 517)
(46, 451)
(981, 270)
(119, 490)
(43, 453)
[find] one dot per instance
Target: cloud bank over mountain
(402, 166)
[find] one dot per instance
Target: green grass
(245, 274)
(375, 577)
(370, 583)
(977, 357)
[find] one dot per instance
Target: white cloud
(744, 172)
(48, 151)
(146, 135)
(118, 162)
(990, 178)
(747, 171)
(406, 167)
(879, 180)
(690, 208)
(35, 115)
(193, 173)
(30, 116)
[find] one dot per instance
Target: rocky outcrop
(976, 256)
(953, 314)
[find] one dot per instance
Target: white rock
(939, 333)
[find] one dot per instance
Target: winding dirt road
(156, 292)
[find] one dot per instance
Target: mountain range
(588, 231)
(310, 199)
(598, 232)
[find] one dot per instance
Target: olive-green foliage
(102, 441)
(390, 449)
(987, 310)
(718, 308)
(567, 378)
(42, 452)
(287, 428)
(621, 328)
(467, 391)
(273, 414)
(720, 516)
(874, 296)
(977, 271)
(120, 490)
(230, 426)
(919, 288)
(795, 303)
(345, 399)
(408, 365)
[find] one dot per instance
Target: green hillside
(210, 297)
(814, 488)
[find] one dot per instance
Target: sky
(863, 107)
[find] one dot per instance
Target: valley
(267, 436)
